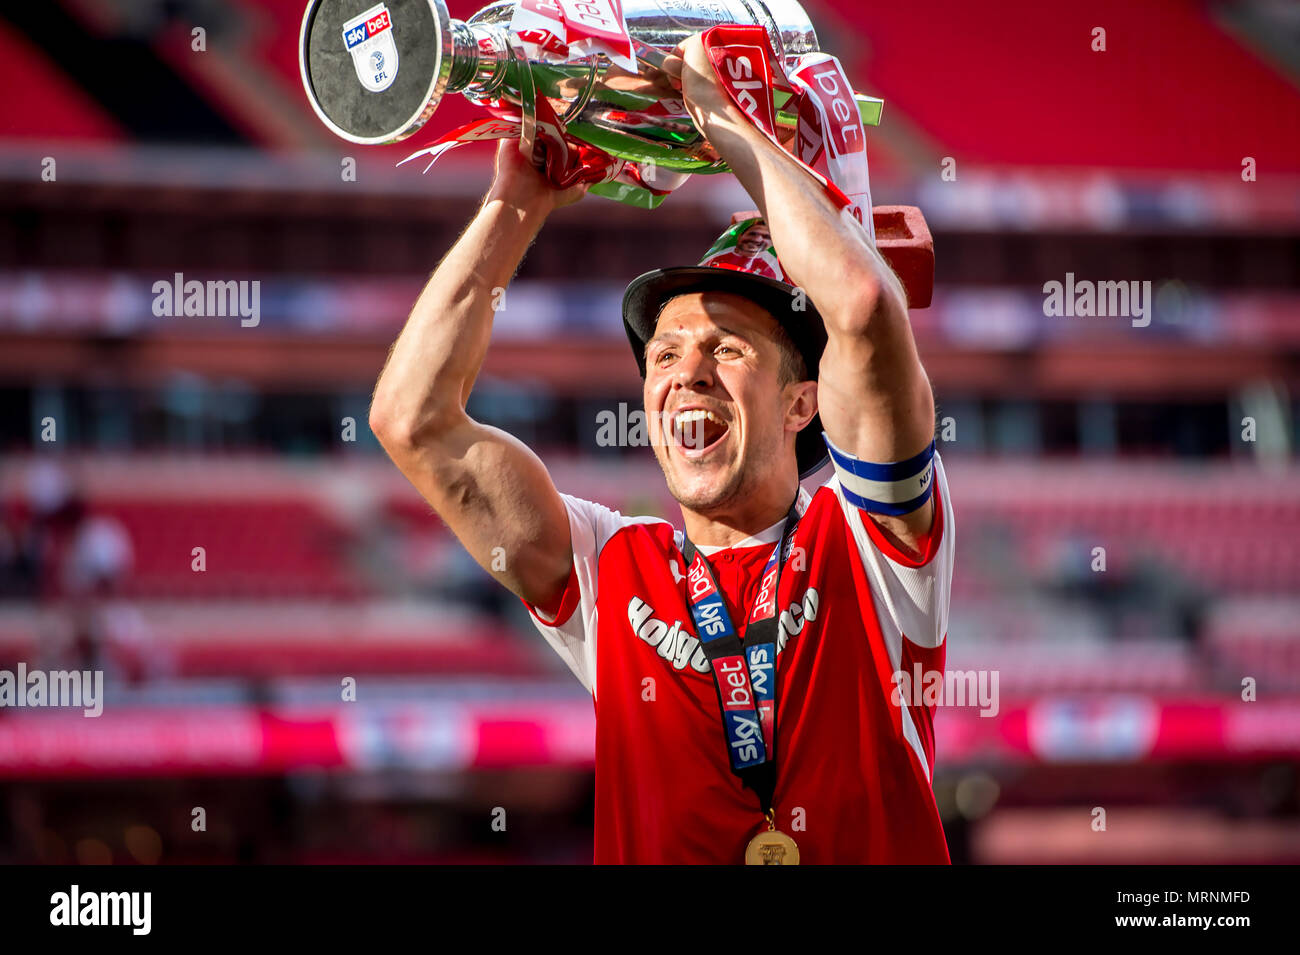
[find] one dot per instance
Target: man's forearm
(432, 365)
(819, 249)
(872, 393)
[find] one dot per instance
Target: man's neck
(728, 527)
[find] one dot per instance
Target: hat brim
(648, 293)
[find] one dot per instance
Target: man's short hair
(793, 367)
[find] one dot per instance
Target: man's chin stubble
(712, 499)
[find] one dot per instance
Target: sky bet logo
(762, 671)
(765, 603)
(711, 623)
(708, 603)
(700, 584)
(364, 31)
(737, 705)
(735, 683)
(370, 39)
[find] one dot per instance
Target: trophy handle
(651, 56)
(527, 103)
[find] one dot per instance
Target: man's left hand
(689, 69)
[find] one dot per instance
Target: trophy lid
(374, 72)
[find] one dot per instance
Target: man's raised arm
(873, 395)
(487, 486)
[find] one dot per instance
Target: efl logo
(370, 39)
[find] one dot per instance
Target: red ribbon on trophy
(830, 140)
(559, 29)
(554, 30)
(565, 161)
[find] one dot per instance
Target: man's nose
(694, 369)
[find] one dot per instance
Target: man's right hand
(518, 182)
(486, 485)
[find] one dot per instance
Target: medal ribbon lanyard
(744, 675)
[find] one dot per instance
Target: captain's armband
(891, 489)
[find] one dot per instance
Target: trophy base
(904, 240)
(375, 71)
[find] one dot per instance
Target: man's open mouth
(697, 431)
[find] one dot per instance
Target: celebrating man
(741, 668)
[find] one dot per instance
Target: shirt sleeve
(570, 627)
(913, 594)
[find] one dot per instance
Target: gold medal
(771, 847)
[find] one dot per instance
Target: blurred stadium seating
(1119, 688)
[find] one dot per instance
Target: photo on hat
(746, 246)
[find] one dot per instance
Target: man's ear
(802, 407)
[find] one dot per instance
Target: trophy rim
(432, 96)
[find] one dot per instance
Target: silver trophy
(376, 72)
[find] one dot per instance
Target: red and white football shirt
(853, 768)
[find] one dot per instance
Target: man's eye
(664, 356)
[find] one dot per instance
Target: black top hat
(758, 277)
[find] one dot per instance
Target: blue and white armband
(892, 489)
